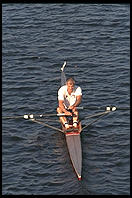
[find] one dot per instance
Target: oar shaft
(111, 108)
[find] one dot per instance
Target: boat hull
(74, 148)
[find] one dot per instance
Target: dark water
(94, 39)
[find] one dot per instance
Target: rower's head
(70, 84)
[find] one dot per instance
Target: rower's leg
(75, 118)
(62, 119)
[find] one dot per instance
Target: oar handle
(60, 114)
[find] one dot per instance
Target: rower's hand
(72, 108)
(68, 113)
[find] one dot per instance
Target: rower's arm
(78, 101)
(61, 105)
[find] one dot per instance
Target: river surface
(94, 39)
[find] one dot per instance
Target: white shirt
(69, 100)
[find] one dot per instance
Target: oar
(31, 116)
(107, 108)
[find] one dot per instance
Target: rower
(69, 97)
